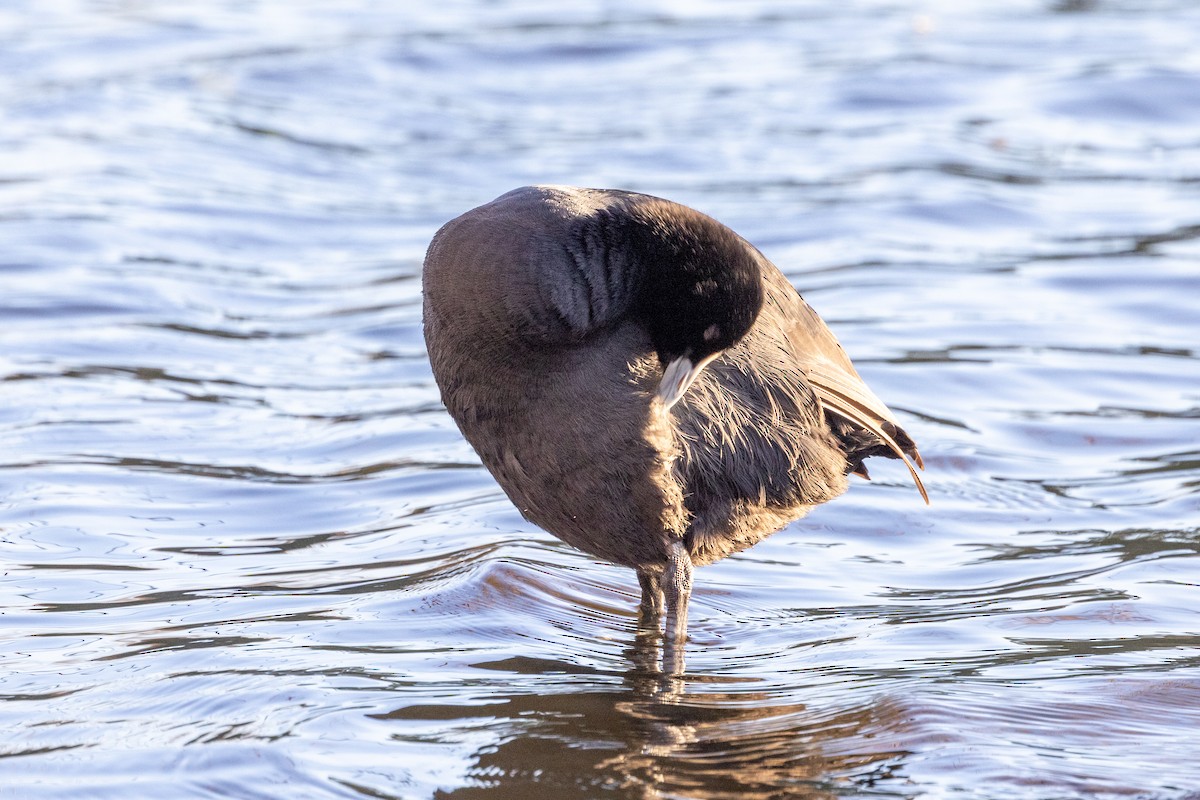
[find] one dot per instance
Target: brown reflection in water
(670, 737)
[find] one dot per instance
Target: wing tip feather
(849, 410)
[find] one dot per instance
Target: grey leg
(677, 589)
(651, 607)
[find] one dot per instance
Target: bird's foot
(677, 590)
(651, 608)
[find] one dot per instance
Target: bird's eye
(712, 333)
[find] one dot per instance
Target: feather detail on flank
(838, 400)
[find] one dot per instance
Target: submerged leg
(677, 588)
(651, 607)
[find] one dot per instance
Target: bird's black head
(702, 288)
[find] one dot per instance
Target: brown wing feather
(832, 376)
(839, 396)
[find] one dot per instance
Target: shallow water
(246, 553)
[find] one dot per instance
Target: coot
(642, 382)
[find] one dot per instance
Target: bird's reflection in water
(662, 735)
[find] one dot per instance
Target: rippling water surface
(246, 554)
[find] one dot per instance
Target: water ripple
(244, 548)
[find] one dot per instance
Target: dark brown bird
(642, 382)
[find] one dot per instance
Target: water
(246, 554)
